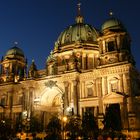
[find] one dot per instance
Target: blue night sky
(36, 24)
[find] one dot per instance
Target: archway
(50, 104)
(112, 120)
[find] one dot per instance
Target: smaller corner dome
(15, 51)
(112, 23)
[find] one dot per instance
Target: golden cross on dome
(111, 13)
(79, 8)
(16, 43)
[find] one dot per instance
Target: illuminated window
(89, 92)
(114, 84)
(20, 100)
(111, 46)
(1, 115)
(3, 101)
(90, 109)
(114, 87)
(56, 101)
(89, 89)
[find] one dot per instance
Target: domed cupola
(112, 24)
(13, 65)
(114, 43)
(14, 52)
(78, 32)
(75, 50)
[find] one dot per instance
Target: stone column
(75, 97)
(104, 47)
(84, 61)
(100, 115)
(24, 103)
(124, 84)
(94, 88)
(30, 101)
(99, 88)
(129, 99)
(118, 41)
(121, 84)
(83, 89)
(93, 65)
(66, 98)
(124, 115)
(131, 114)
(104, 85)
(11, 99)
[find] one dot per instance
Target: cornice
(97, 73)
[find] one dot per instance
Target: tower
(13, 65)
(114, 43)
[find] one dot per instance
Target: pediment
(112, 98)
(112, 95)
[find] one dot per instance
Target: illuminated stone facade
(88, 70)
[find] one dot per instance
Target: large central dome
(77, 32)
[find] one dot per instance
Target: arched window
(20, 100)
(114, 87)
(56, 101)
(89, 89)
(3, 100)
(114, 84)
(111, 46)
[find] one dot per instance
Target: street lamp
(64, 119)
(26, 120)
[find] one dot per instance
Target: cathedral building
(88, 70)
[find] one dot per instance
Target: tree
(18, 124)
(35, 125)
(5, 127)
(112, 120)
(73, 127)
(89, 125)
(54, 129)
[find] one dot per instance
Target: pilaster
(99, 89)
(66, 101)
(75, 97)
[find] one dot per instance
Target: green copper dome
(15, 51)
(77, 32)
(112, 23)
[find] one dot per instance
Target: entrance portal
(112, 120)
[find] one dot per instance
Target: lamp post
(64, 119)
(2, 123)
(26, 121)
